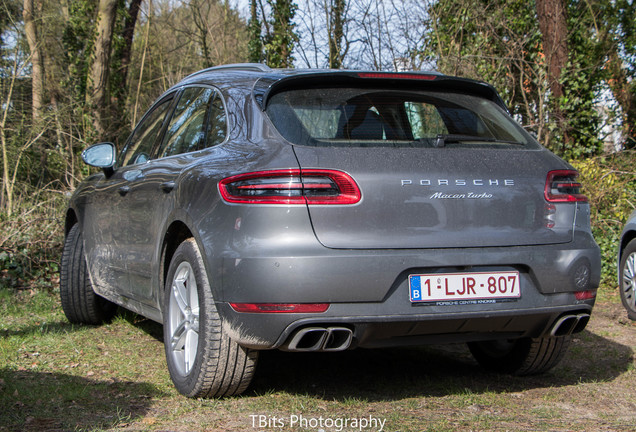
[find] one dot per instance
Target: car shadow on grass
(397, 373)
(150, 327)
(55, 327)
(41, 401)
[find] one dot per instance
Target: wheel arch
(625, 239)
(70, 220)
(176, 233)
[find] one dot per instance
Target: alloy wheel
(629, 281)
(183, 319)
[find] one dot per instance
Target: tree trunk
(335, 22)
(97, 88)
(552, 16)
(30, 15)
(129, 32)
(623, 92)
(255, 44)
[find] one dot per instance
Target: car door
(154, 195)
(119, 218)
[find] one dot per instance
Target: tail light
(292, 186)
(561, 186)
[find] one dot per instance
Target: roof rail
(259, 67)
(254, 67)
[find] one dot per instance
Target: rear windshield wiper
(443, 139)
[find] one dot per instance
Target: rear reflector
(585, 295)
(280, 307)
(291, 186)
(561, 186)
(397, 75)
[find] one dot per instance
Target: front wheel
(202, 359)
(527, 356)
(627, 279)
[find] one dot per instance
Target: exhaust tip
(583, 320)
(564, 326)
(308, 339)
(318, 339)
(569, 324)
(339, 339)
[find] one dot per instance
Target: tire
(202, 359)
(80, 303)
(527, 356)
(627, 279)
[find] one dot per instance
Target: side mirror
(101, 155)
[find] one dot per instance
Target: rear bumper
(368, 293)
(269, 331)
(317, 274)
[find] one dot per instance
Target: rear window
(349, 117)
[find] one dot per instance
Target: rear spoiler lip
(268, 85)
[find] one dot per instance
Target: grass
(58, 376)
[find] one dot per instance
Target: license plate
(464, 286)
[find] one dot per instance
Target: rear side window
(217, 123)
(386, 118)
(199, 111)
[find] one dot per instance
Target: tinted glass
(145, 134)
(382, 118)
(186, 130)
(217, 122)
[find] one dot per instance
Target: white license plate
(464, 286)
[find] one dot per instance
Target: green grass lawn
(55, 376)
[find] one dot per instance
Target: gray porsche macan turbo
(321, 210)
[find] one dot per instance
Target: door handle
(167, 186)
(123, 190)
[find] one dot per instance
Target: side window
(145, 134)
(186, 130)
(425, 120)
(217, 122)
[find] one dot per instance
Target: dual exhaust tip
(569, 324)
(316, 339)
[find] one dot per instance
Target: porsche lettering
(459, 182)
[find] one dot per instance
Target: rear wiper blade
(442, 139)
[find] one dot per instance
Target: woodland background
(75, 72)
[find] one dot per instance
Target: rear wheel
(527, 356)
(202, 359)
(627, 279)
(80, 303)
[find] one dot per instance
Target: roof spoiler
(271, 84)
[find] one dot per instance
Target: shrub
(31, 241)
(609, 182)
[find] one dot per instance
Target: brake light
(561, 186)
(280, 307)
(396, 75)
(291, 186)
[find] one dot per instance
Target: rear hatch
(437, 166)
